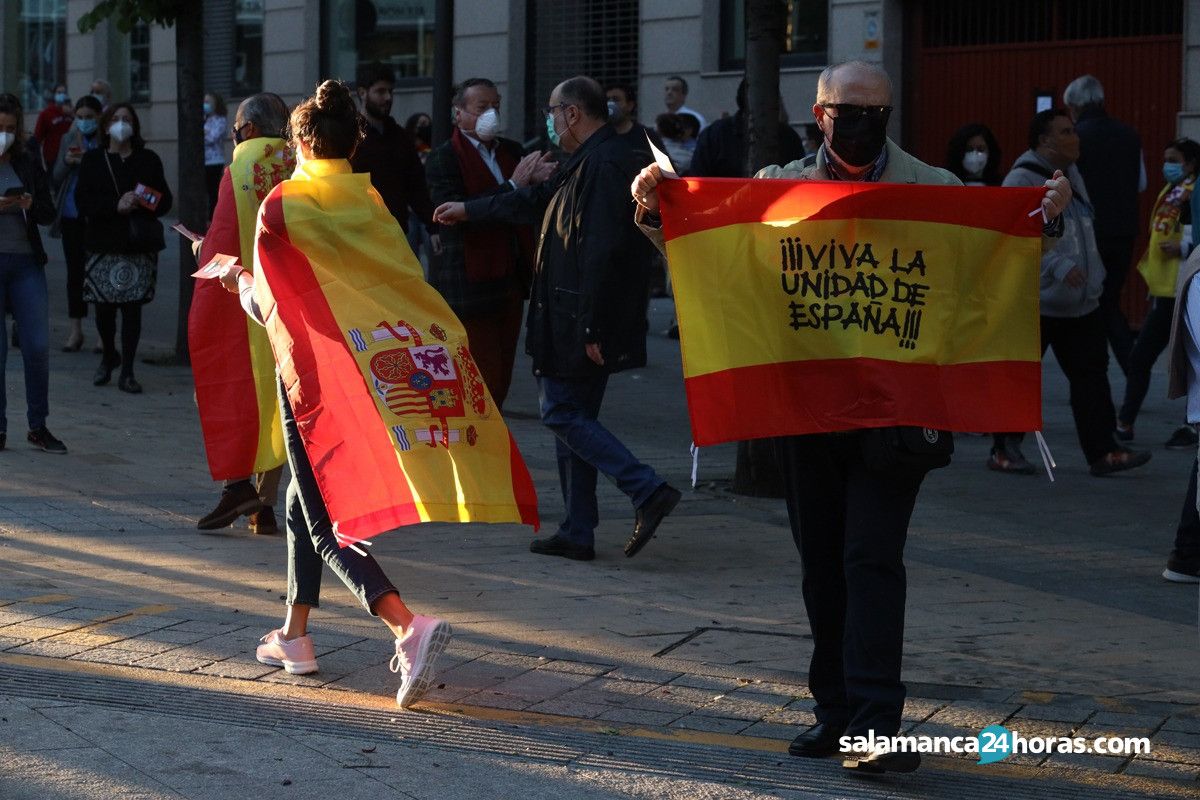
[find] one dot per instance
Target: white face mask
(487, 125)
(6, 141)
(120, 130)
(974, 161)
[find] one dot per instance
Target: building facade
(956, 62)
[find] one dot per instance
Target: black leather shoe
(557, 546)
(652, 512)
(236, 499)
(128, 383)
(878, 762)
(819, 741)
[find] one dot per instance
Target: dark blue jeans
(310, 539)
(23, 287)
(570, 408)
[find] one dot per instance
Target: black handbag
(906, 447)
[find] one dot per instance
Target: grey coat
(1076, 249)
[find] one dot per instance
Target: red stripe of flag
(226, 393)
(693, 205)
(841, 394)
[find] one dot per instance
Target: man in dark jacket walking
(389, 153)
(484, 268)
(1113, 169)
(587, 311)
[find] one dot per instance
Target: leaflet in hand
(186, 233)
(213, 268)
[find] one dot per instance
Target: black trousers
(850, 524)
(212, 183)
(1187, 535)
(76, 257)
(1116, 252)
(1151, 340)
(1082, 352)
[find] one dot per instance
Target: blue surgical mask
(1173, 172)
(207, 109)
(555, 139)
(87, 126)
(61, 98)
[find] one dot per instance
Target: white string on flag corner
(695, 451)
(1047, 456)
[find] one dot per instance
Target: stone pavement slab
(1033, 604)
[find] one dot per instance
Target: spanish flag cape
(1159, 269)
(395, 418)
(810, 306)
(232, 364)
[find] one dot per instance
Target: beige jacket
(1177, 366)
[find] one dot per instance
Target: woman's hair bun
(333, 98)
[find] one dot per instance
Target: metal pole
(443, 70)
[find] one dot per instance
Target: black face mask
(425, 133)
(858, 137)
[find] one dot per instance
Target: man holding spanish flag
(231, 357)
(851, 485)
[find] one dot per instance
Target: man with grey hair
(260, 115)
(849, 518)
(231, 361)
(587, 311)
(1114, 171)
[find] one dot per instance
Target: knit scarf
(489, 253)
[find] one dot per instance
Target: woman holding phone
(24, 204)
(121, 193)
(82, 138)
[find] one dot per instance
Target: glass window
(247, 47)
(398, 33)
(806, 37)
(35, 58)
(139, 63)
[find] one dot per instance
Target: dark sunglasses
(854, 113)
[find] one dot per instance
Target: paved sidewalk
(1031, 604)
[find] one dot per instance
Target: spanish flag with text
(395, 418)
(814, 306)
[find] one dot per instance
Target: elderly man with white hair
(848, 519)
(1114, 171)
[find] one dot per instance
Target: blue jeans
(23, 287)
(310, 539)
(570, 407)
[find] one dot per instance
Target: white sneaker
(294, 655)
(416, 653)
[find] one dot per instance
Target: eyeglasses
(547, 110)
(854, 113)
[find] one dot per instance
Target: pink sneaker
(294, 655)
(416, 653)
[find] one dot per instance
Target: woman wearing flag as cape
(374, 412)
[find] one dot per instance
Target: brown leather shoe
(263, 522)
(236, 499)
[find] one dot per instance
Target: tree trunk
(191, 194)
(757, 473)
(443, 70)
